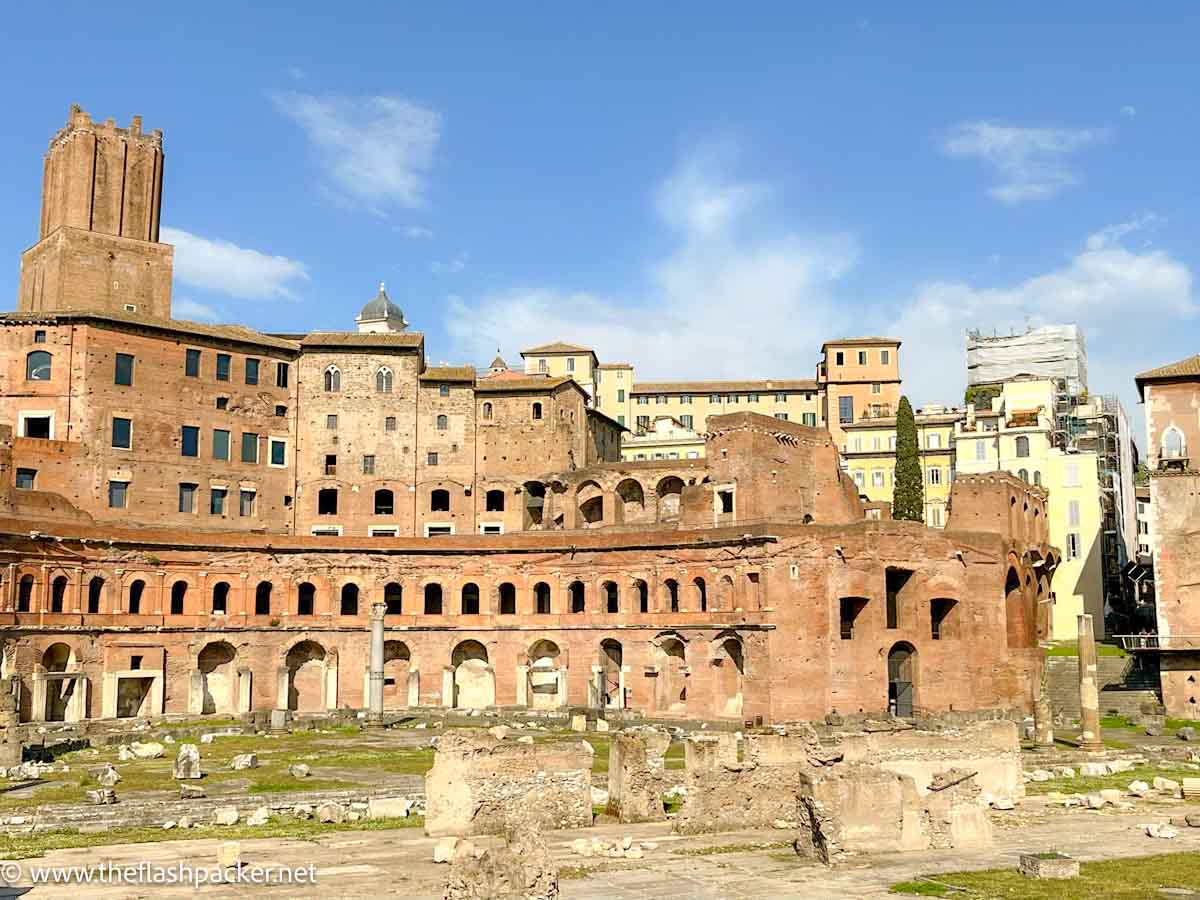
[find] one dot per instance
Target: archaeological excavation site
(308, 600)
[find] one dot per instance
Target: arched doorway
(58, 658)
(591, 505)
(306, 677)
(729, 664)
(612, 687)
(902, 672)
(397, 661)
(671, 688)
(669, 491)
(1016, 625)
(474, 683)
(543, 675)
(219, 674)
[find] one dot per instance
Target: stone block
(190, 792)
(1048, 865)
(1187, 733)
(244, 761)
(579, 723)
(637, 775)
(149, 750)
(225, 815)
(229, 855)
(388, 808)
(187, 762)
(102, 796)
(1191, 788)
(299, 770)
(331, 813)
(260, 816)
(109, 776)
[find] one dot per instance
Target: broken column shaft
(1089, 688)
(375, 681)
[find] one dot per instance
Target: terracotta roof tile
(1185, 368)
(559, 347)
(867, 341)
(449, 373)
(525, 384)
(389, 340)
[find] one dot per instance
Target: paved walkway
(399, 863)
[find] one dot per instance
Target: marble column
(1043, 714)
(1089, 688)
(375, 709)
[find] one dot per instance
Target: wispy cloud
(1129, 111)
(187, 308)
(1031, 163)
(417, 232)
(375, 151)
(449, 267)
(225, 268)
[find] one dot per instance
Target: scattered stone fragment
(1157, 830)
(1040, 775)
(634, 852)
(225, 815)
(1063, 772)
(299, 770)
(1003, 803)
(1139, 788)
(499, 732)
(1192, 820)
(190, 792)
(330, 813)
(602, 725)
(184, 822)
(124, 754)
(1110, 795)
(102, 797)
(1093, 769)
(443, 850)
(260, 816)
(649, 845)
(168, 825)
(109, 776)
(302, 811)
(1165, 785)
(244, 761)
(1094, 801)
(149, 750)
(525, 739)
(579, 722)
(187, 762)
(1187, 733)
(229, 855)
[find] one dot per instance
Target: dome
(382, 309)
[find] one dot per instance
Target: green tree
(908, 492)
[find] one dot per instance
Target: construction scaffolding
(1052, 351)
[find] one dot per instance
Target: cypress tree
(908, 491)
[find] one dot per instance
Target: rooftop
(386, 340)
(862, 341)
(448, 373)
(558, 347)
(718, 387)
(236, 333)
(1184, 369)
(523, 383)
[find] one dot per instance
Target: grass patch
(24, 846)
(1071, 648)
(1083, 784)
(1176, 724)
(1134, 878)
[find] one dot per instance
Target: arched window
(25, 593)
(333, 379)
(262, 598)
(577, 598)
(433, 599)
(349, 599)
(494, 501)
(1022, 446)
(220, 597)
(439, 500)
(135, 597)
(306, 597)
(178, 595)
(393, 599)
(470, 599)
(1023, 474)
(701, 594)
(95, 592)
(383, 380)
(487, 410)
(37, 366)
(443, 422)
(1037, 477)
(643, 590)
(537, 410)
(58, 593)
(541, 596)
(508, 600)
(1172, 444)
(673, 594)
(611, 598)
(384, 502)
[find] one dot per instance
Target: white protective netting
(1052, 351)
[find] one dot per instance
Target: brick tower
(98, 245)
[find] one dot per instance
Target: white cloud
(449, 267)
(1129, 305)
(719, 304)
(226, 268)
(1032, 163)
(1129, 111)
(417, 232)
(187, 308)
(375, 150)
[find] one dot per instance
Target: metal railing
(1159, 642)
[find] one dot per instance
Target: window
(862, 357)
(845, 410)
(187, 498)
(443, 390)
(369, 464)
(885, 356)
(118, 494)
(620, 420)
(191, 364)
(570, 364)
(433, 599)
(249, 447)
(442, 423)
(661, 398)
(389, 424)
(278, 452)
(189, 441)
(487, 410)
(620, 395)
(331, 423)
(1073, 545)
(383, 380)
(725, 498)
(439, 500)
(537, 410)
(934, 517)
(435, 530)
(839, 358)
(980, 451)
(643, 423)
(123, 369)
(1023, 474)
(1022, 446)
(25, 479)
(877, 478)
(39, 336)
(216, 501)
(494, 501)
(933, 441)
(223, 364)
(333, 379)
(222, 403)
(1072, 513)
(349, 604)
(122, 433)
(1172, 444)
(1071, 476)
(220, 441)
(246, 502)
(541, 365)
(431, 458)
(384, 502)
(508, 599)
(809, 419)
(330, 463)
(781, 416)
(327, 502)
(685, 421)
(251, 371)
(281, 374)
(731, 398)
(37, 366)
(850, 608)
(935, 475)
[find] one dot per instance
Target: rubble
(225, 815)
(109, 776)
(637, 774)
(244, 761)
(521, 870)
(187, 762)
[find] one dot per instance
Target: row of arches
(580, 597)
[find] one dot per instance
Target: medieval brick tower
(98, 245)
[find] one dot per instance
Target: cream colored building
(870, 454)
(667, 438)
(1016, 434)
(560, 360)
(858, 378)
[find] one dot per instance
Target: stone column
(1089, 689)
(1043, 714)
(375, 709)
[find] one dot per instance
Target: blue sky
(701, 189)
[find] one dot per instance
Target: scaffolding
(1052, 351)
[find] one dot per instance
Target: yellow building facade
(870, 454)
(1016, 434)
(667, 438)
